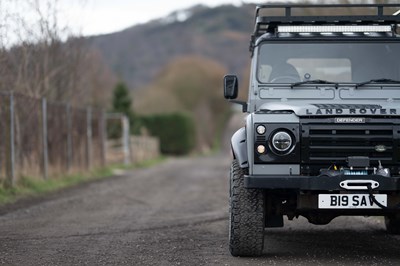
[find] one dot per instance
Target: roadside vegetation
(33, 186)
(191, 87)
(42, 58)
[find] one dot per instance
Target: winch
(356, 166)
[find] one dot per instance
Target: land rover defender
(322, 134)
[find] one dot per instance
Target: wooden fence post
(45, 139)
(11, 172)
(69, 138)
(125, 140)
(89, 137)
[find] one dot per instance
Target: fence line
(43, 138)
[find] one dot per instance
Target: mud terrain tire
(246, 223)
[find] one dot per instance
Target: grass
(34, 186)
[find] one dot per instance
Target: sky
(93, 17)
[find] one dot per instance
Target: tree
(42, 57)
(190, 85)
(122, 103)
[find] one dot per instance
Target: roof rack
(264, 24)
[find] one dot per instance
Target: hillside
(138, 53)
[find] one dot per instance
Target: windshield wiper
(314, 81)
(393, 81)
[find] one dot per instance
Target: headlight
(261, 130)
(282, 141)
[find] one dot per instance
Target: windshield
(336, 62)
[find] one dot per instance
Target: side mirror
(230, 87)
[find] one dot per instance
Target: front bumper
(315, 183)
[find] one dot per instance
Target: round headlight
(261, 130)
(282, 141)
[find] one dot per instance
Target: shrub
(176, 132)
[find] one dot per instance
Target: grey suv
(322, 135)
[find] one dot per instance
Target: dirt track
(173, 214)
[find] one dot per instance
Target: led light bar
(345, 28)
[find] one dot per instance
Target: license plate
(350, 201)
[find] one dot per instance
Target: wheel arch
(239, 147)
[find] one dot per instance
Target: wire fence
(41, 139)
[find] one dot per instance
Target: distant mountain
(138, 53)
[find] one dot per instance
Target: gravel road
(173, 214)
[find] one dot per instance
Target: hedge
(176, 132)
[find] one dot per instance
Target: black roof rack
(264, 24)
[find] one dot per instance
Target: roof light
(346, 28)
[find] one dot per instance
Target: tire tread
(246, 216)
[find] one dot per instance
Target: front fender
(239, 147)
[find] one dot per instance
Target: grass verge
(34, 186)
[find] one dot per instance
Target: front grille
(325, 144)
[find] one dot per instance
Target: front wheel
(246, 223)
(393, 224)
